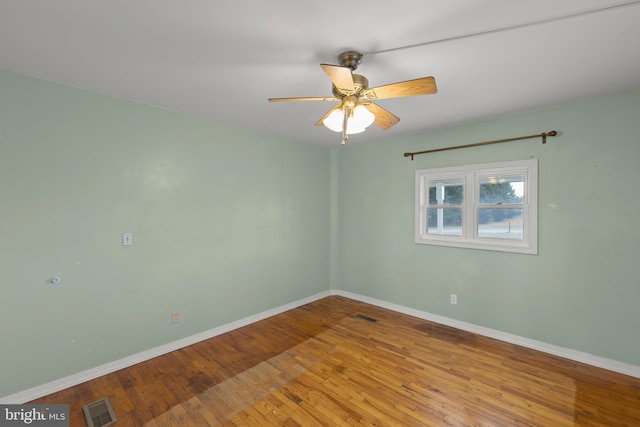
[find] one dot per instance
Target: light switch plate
(127, 239)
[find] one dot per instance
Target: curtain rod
(542, 135)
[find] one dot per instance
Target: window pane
(445, 191)
(500, 223)
(444, 221)
(501, 189)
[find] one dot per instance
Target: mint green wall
(226, 224)
(583, 289)
(229, 223)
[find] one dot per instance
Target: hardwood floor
(319, 365)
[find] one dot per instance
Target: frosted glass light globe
(358, 122)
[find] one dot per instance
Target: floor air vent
(99, 413)
(365, 317)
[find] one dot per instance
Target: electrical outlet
(454, 299)
(175, 317)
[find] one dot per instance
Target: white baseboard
(567, 353)
(80, 377)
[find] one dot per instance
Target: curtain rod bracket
(542, 135)
(545, 135)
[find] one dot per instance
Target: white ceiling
(222, 60)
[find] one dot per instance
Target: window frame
(471, 175)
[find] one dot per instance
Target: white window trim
(470, 175)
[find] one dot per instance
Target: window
(491, 206)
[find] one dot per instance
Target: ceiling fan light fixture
(334, 120)
(362, 117)
(352, 130)
(357, 123)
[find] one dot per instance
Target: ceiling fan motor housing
(360, 84)
(350, 59)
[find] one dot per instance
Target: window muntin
(491, 206)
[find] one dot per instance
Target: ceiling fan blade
(340, 77)
(319, 122)
(307, 98)
(384, 118)
(422, 86)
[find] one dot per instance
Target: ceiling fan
(357, 110)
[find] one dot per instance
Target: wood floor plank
(320, 365)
